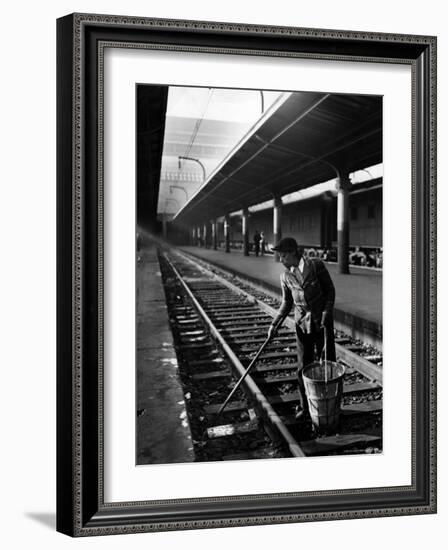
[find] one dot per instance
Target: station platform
(163, 432)
(358, 305)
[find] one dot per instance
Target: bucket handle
(324, 352)
(324, 349)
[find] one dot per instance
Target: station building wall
(366, 218)
(313, 222)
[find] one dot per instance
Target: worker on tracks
(307, 287)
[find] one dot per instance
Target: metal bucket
(324, 388)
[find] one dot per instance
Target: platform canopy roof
(305, 138)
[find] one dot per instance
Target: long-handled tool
(246, 372)
(324, 356)
(324, 352)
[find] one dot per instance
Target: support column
(193, 236)
(326, 221)
(343, 186)
(214, 235)
(164, 227)
(204, 235)
(277, 224)
(227, 233)
(245, 231)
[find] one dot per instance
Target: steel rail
(254, 390)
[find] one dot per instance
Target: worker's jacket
(310, 293)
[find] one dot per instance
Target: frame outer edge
(78, 221)
(246, 28)
(433, 271)
(65, 441)
(425, 269)
(70, 507)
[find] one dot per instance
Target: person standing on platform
(257, 239)
(262, 243)
(307, 287)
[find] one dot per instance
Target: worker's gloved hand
(326, 320)
(272, 331)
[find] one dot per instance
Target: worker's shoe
(305, 429)
(302, 406)
(304, 424)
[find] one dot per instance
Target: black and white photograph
(259, 258)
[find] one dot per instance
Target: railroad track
(218, 328)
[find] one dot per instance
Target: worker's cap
(287, 244)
